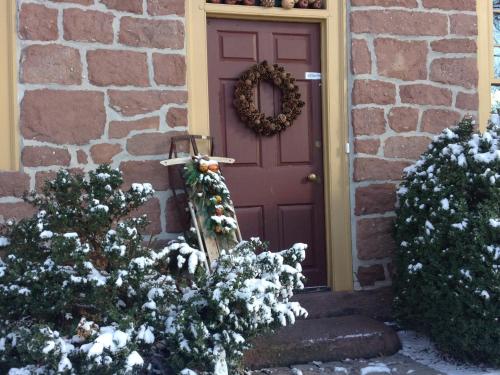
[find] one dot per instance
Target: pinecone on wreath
(268, 3)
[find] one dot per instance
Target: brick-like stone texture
(361, 60)
(121, 129)
(414, 72)
(100, 81)
(169, 69)
(166, 7)
(401, 59)
(118, 68)
(37, 22)
(45, 156)
(103, 153)
(177, 117)
(51, 63)
(131, 103)
(140, 32)
(131, 6)
(59, 116)
(88, 26)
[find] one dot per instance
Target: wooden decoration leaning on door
(246, 106)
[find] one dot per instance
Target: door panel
(273, 198)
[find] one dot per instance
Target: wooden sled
(179, 155)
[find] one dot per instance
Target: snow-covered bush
(81, 293)
(448, 231)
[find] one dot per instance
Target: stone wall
(104, 81)
(413, 73)
(100, 81)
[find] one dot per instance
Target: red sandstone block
(386, 3)
(131, 103)
(361, 61)
(373, 92)
(366, 146)
(463, 24)
(51, 63)
(368, 121)
(37, 22)
(454, 46)
(375, 199)
(82, 157)
(152, 209)
(378, 169)
(403, 119)
(374, 238)
(121, 129)
(169, 69)
(145, 171)
(14, 184)
(406, 147)
(399, 22)
(33, 156)
(435, 120)
(451, 4)
(118, 68)
(88, 26)
(131, 6)
(425, 95)
(81, 2)
(455, 71)
(140, 32)
(468, 102)
(104, 153)
(166, 7)
(401, 59)
(177, 117)
(59, 116)
(367, 276)
(150, 143)
(18, 211)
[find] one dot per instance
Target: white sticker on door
(313, 76)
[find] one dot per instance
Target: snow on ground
(422, 350)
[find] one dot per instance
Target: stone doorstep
(323, 339)
(376, 304)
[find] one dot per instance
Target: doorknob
(312, 177)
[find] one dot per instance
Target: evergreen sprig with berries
(208, 190)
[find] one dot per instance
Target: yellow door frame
(9, 138)
(485, 60)
(335, 113)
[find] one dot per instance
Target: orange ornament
(218, 199)
(203, 167)
(218, 229)
(214, 167)
(219, 211)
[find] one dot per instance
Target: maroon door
(274, 199)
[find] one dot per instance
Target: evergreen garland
(208, 191)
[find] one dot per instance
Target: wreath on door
(244, 99)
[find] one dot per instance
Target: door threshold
(313, 289)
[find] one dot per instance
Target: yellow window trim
(9, 139)
(335, 113)
(485, 59)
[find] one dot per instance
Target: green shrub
(448, 231)
(81, 293)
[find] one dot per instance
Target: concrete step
(323, 339)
